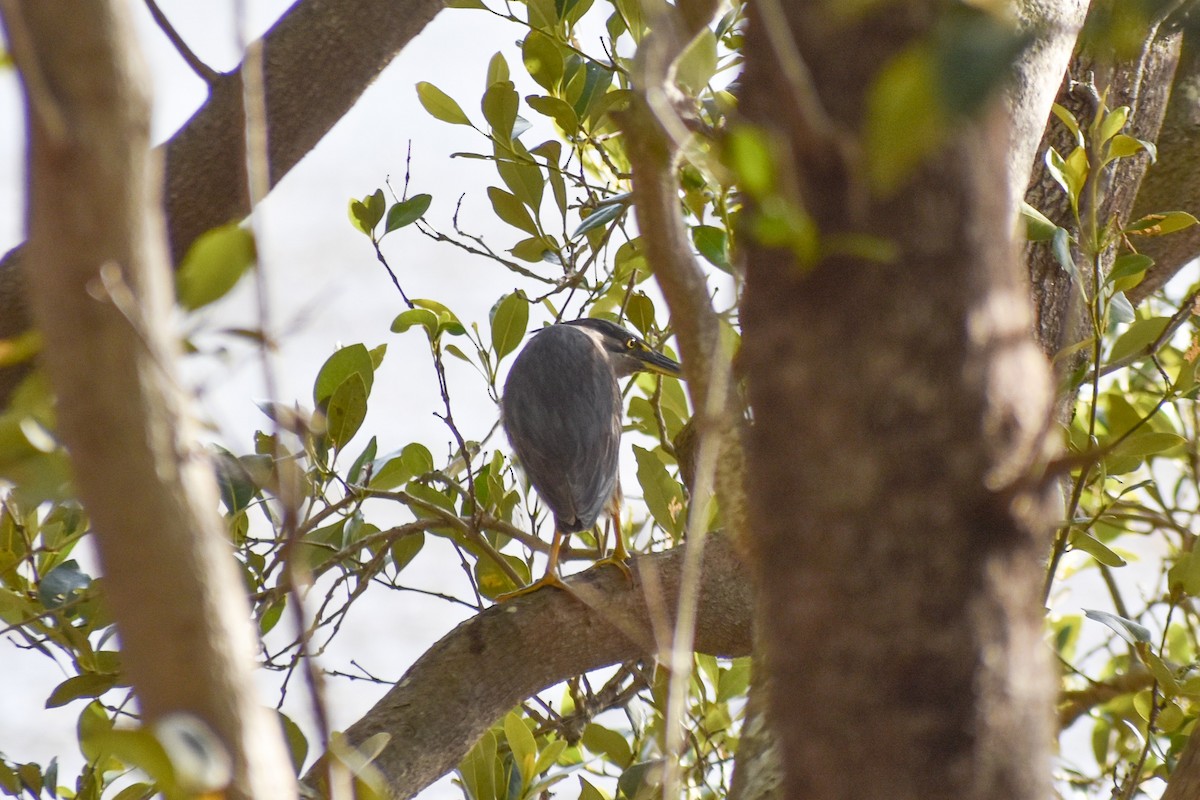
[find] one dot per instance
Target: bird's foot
(620, 561)
(549, 579)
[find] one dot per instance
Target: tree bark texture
(100, 288)
(320, 57)
(898, 557)
(1142, 84)
(487, 665)
(1173, 182)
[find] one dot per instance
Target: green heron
(562, 411)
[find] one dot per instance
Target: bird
(561, 409)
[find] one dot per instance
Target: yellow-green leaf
(441, 105)
(213, 265)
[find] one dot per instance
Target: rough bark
(1143, 84)
(495, 660)
(1173, 183)
(900, 563)
(100, 290)
(1055, 25)
(320, 57)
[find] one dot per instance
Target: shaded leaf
(407, 211)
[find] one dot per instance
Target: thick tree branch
(320, 57)
(497, 659)
(1173, 183)
(99, 283)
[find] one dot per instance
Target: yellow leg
(551, 577)
(619, 554)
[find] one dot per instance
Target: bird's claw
(618, 561)
(548, 579)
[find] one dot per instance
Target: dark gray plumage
(562, 411)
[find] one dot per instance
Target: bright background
(327, 289)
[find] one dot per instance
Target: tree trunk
(900, 555)
(101, 294)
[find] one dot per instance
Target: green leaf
(589, 792)
(698, 64)
(407, 211)
(497, 70)
(520, 174)
(500, 109)
(523, 746)
(1120, 310)
(1038, 227)
(904, 122)
(612, 208)
(80, 686)
(494, 581)
(1162, 224)
(1061, 247)
(416, 316)
(213, 265)
(713, 244)
(748, 155)
(1068, 119)
(1162, 673)
(509, 323)
(536, 249)
(640, 311)
(663, 495)
(558, 110)
(1127, 629)
(511, 210)
(1128, 265)
(1112, 124)
(350, 360)
(609, 743)
(440, 105)
(297, 742)
(346, 410)
(1095, 548)
(1148, 443)
(1141, 334)
(405, 549)
(543, 60)
(417, 459)
(447, 321)
(1123, 146)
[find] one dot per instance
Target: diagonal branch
(493, 661)
(320, 57)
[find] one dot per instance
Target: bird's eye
(631, 344)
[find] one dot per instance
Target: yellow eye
(631, 344)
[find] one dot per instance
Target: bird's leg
(551, 577)
(619, 554)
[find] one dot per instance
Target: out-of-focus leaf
(213, 265)
(904, 122)
(79, 686)
(1038, 227)
(1127, 629)
(1096, 549)
(1161, 224)
(62, 584)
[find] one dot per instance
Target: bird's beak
(656, 362)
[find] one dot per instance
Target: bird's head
(626, 352)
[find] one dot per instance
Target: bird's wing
(562, 411)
